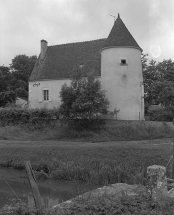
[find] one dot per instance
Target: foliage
(159, 113)
(5, 78)
(14, 79)
(7, 97)
(17, 207)
(139, 204)
(95, 124)
(109, 130)
(83, 99)
(106, 204)
(158, 82)
(37, 117)
(6, 93)
(21, 68)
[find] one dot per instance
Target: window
(45, 95)
(123, 61)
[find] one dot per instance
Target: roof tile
(61, 60)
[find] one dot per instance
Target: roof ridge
(78, 42)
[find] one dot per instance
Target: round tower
(121, 73)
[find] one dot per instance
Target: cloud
(24, 23)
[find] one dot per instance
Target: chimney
(43, 49)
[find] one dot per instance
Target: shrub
(86, 124)
(19, 116)
(158, 113)
(83, 101)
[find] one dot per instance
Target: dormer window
(123, 62)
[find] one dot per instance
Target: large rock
(113, 190)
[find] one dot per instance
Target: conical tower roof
(120, 36)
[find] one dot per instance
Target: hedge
(158, 113)
(16, 116)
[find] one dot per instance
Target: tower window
(123, 62)
(45, 95)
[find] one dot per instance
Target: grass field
(99, 163)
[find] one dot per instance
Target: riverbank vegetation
(97, 163)
(107, 204)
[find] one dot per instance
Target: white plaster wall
(123, 84)
(36, 93)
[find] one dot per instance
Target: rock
(157, 182)
(116, 190)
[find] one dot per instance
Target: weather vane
(112, 16)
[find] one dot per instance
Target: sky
(23, 23)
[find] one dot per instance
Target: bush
(86, 124)
(83, 99)
(21, 116)
(158, 113)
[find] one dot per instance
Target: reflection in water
(46, 201)
(52, 192)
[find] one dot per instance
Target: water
(14, 183)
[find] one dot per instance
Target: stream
(14, 183)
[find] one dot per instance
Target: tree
(14, 79)
(5, 78)
(6, 94)
(83, 99)
(166, 67)
(158, 82)
(21, 68)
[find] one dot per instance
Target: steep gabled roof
(120, 35)
(61, 60)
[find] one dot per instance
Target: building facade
(115, 61)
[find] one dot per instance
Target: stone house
(115, 61)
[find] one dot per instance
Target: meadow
(89, 162)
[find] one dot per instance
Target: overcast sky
(23, 23)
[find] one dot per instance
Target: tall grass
(110, 131)
(90, 171)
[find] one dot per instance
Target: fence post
(34, 187)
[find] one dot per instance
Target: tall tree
(158, 82)
(14, 79)
(6, 93)
(166, 95)
(21, 68)
(5, 78)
